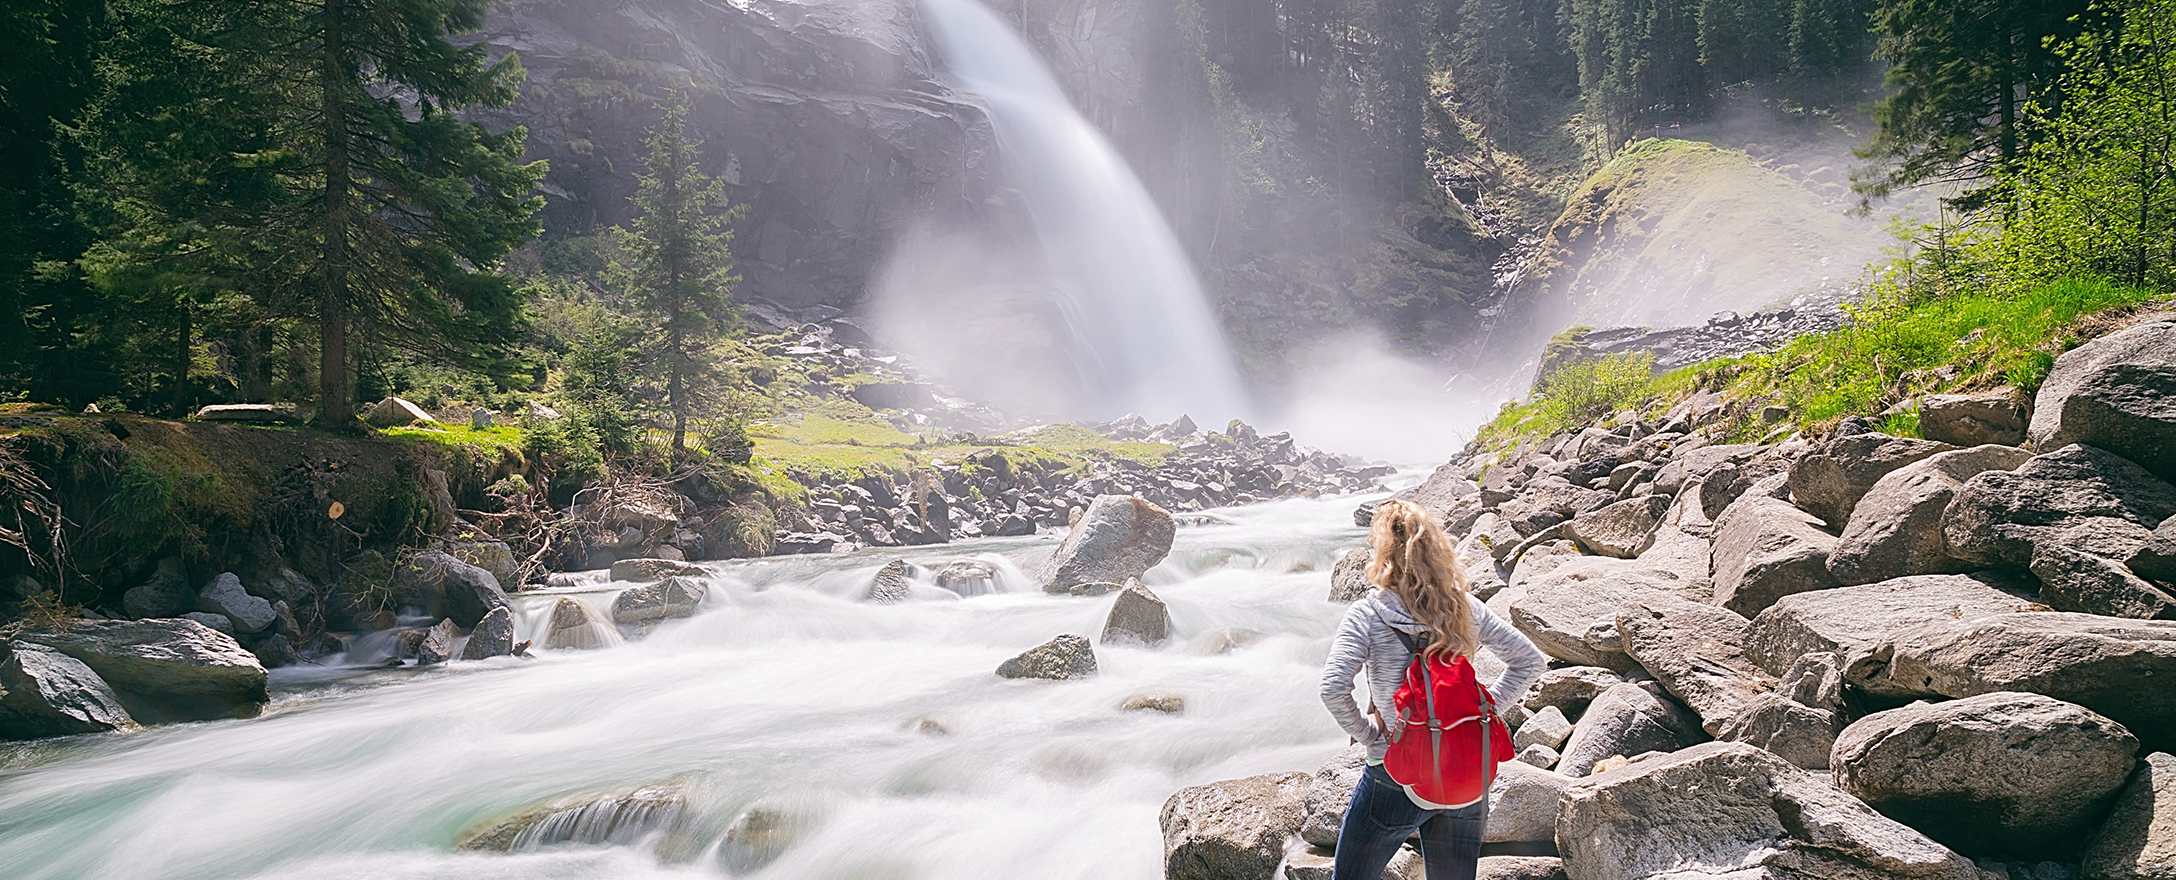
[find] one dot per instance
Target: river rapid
(783, 692)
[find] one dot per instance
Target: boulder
(1689, 466)
(1629, 719)
(489, 554)
(1491, 534)
(436, 646)
(968, 577)
(164, 669)
(2006, 775)
(1067, 656)
(1137, 617)
(492, 637)
(1329, 791)
(1833, 475)
(1848, 621)
(248, 413)
(1548, 501)
(166, 594)
(570, 626)
(892, 584)
(645, 569)
(1168, 704)
(1313, 863)
(1523, 804)
(1766, 549)
(622, 817)
(1996, 415)
(1119, 537)
(2074, 580)
(2138, 842)
(1231, 830)
(1539, 755)
(1696, 652)
(2079, 496)
(1896, 529)
(1801, 734)
(224, 596)
(215, 621)
(1483, 578)
(760, 834)
(1729, 810)
(673, 597)
(1621, 529)
(447, 587)
(46, 693)
(2118, 393)
(1568, 688)
(1349, 577)
(394, 412)
(1519, 868)
(1548, 728)
(1440, 494)
(2111, 665)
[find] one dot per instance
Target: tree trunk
(178, 400)
(335, 387)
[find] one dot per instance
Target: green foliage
(570, 450)
(1576, 394)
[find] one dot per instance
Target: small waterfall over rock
(1143, 334)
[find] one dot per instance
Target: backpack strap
(1414, 646)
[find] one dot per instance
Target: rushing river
(783, 691)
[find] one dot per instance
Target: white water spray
(1143, 335)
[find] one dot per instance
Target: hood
(1393, 612)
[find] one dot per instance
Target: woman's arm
(1523, 663)
(1348, 653)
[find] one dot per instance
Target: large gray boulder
(570, 627)
(643, 569)
(1119, 537)
(1446, 494)
(1896, 529)
(1833, 475)
(436, 645)
(1729, 810)
(1766, 549)
(1689, 466)
(2138, 842)
(2111, 665)
(492, 637)
(1622, 529)
(2157, 559)
(1847, 621)
(1523, 803)
(1801, 734)
(1696, 652)
(2078, 496)
(46, 693)
(166, 594)
(1996, 415)
(164, 669)
(1328, 793)
(224, 596)
(1519, 868)
(1349, 577)
(2005, 774)
(1569, 689)
(1067, 656)
(892, 584)
(2117, 392)
(1316, 863)
(1548, 501)
(1137, 617)
(2074, 580)
(1570, 608)
(1630, 719)
(673, 597)
(444, 586)
(489, 554)
(1231, 830)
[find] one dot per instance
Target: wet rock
(436, 645)
(1523, 803)
(2138, 842)
(893, 583)
(968, 577)
(1830, 478)
(2073, 580)
(1766, 549)
(1621, 529)
(2111, 665)
(1697, 653)
(1896, 530)
(440, 584)
(1349, 577)
(2081, 497)
(1168, 704)
(1231, 830)
(674, 597)
(224, 595)
(395, 412)
(489, 554)
(1848, 621)
(760, 835)
(1137, 617)
(1329, 791)
(1547, 728)
(644, 569)
(166, 594)
(492, 637)
(2117, 393)
(1801, 734)
(164, 669)
(570, 627)
(584, 819)
(1119, 537)
(1067, 656)
(1629, 719)
(46, 693)
(1731, 810)
(1993, 416)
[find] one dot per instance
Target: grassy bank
(835, 442)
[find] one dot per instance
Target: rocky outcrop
(2138, 842)
(1830, 478)
(1137, 617)
(1067, 656)
(1231, 830)
(1349, 577)
(1766, 549)
(1697, 653)
(674, 597)
(164, 669)
(1995, 416)
(1896, 529)
(1848, 621)
(2079, 497)
(1629, 719)
(2009, 775)
(2118, 393)
(1731, 810)
(1119, 537)
(46, 693)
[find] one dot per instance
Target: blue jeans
(1381, 817)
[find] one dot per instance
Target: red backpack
(1446, 755)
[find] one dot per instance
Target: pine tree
(674, 266)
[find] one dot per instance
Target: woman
(1422, 592)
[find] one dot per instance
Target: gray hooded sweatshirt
(1365, 639)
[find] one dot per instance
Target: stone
(2004, 774)
(1314, 863)
(1539, 755)
(1996, 415)
(2138, 842)
(1523, 803)
(1137, 617)
(760, 834)
(1697, 653)
(224, 595)
(492, 637)
(647, 569)
(1568, 688)
(1493, 535)
(1231, 830)
(394, 412)
(1546, 502)
(2117, 393)
(1848, 621)
(444, 586)
(1621, 529)
(1349, 577)
(164, 669)
(1440, 494)
(437, 644)
(2079, 496)
(1067, 656)
(1519, 868)
(1119, 537)
(2111, 665)
(1329, 791)
(1729, 810)
(892, 584)
(215, 621)
(166, 594)
(2074, 580)
(968, 577)
(1547, 728)
(1833, 475)
(622, 817)
(1766, 549)
(570, 626)
(1801, 734)
(1689, 466)
(489, 554)
(1896, 529)
(673, 597)
(1571, 611)
(481, 419)
(1629, 719)
(1167, 704)
(46, 693)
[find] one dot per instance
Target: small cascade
(621, 819)
(566, 621)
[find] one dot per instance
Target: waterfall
(1144, 338)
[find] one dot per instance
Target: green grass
(497, 438)
(829, 444)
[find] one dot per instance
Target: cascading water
(877, 738)
(1144, 337)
